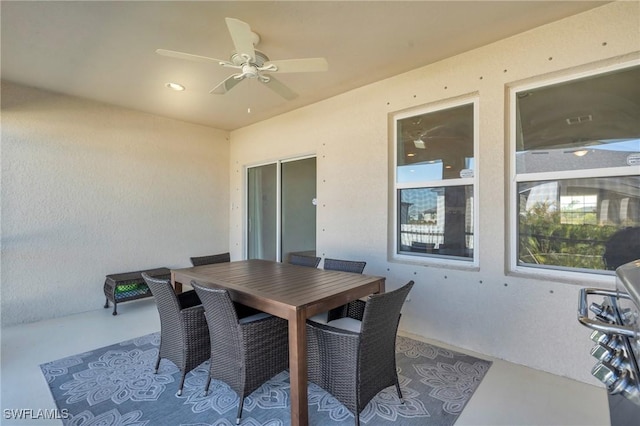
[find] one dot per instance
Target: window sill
(434, 262)
(583, 279)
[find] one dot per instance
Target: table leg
(177, 286)
(298, 368)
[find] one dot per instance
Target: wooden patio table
(292, 292)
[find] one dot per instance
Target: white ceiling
(105, 51)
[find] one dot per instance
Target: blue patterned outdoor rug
(115, 385)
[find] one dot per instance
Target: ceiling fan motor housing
(239, 60)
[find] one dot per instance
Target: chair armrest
(253, 318)
(269, 337)
(331, 349)
(197, 342)
(327, 328)
(194, 313)
(355, 309)
(195, 325)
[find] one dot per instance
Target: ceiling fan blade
(282, 90)
(225, 85)
(242, 36)
(188, 56)
(300, 65)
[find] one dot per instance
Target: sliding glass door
(298, 216)
(262, 209)
(281, 209)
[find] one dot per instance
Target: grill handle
(583, 313)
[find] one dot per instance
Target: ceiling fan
(252, 63)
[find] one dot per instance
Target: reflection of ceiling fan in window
(252, 63)
(420, 137)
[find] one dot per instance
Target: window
(576, 151)
(435, 182)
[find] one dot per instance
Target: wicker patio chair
(208, 260)
(355, 308)
(299, 259)
(344, 265)
(245, 352)
(356, 359)
(184, 336)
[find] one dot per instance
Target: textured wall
(90, 189)
(523, 319)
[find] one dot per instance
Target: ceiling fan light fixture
(249, 71)
(250, 63)
(175, 86)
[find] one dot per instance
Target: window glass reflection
(569, 223)
(436, 221)
(589, 123)
(436, 145)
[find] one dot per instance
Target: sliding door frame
(278, 164)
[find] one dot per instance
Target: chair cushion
(348, 324)
(252, 318)
(320, 318)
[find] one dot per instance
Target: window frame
(573, 275)
(433, 258)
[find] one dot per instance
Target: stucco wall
(522, 319)
(90, 189)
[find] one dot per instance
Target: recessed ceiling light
(580, 153)
(175, 86)
(411, 154)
